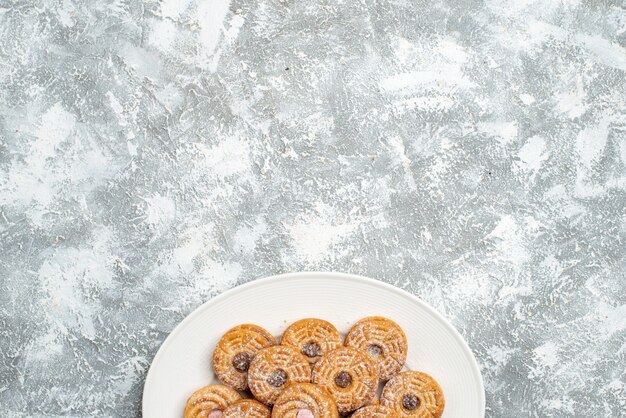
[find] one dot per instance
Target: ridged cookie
(414, 394)
(383, 340)
(247, 408)
(235, 351)
(350, 376)
(375, 411)
(305, 400)
(210, 399)
(273, 368)
(313, 337)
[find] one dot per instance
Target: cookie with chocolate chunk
(235, 351)
(383, 340)
(414, 394)
(350, 376)
(313, 337)
(273, 368)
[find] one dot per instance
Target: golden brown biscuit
(247, 408)
(273, 368)
(235, 351)
(375, 411)
(212, 399)
(313, 337)
(383, 340)
(305, 400)
(414, 394)
(350, 376)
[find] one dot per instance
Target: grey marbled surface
(155, 153)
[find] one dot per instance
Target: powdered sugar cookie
(210, 401)
(375, 411)
(350, 376)
(273, 368)
(414, 394)
(305, 400)
(383, 340)
(235, 351)
(313, 337)
(247, 408)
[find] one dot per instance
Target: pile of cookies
(313, 372)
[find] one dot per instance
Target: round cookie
(383, 340)
(375, 411)
(235, 351)
(350, 376)
(273, 368)
(305, 400)
(247, 408)
(414, 394)
(313, 337)
(210, 401)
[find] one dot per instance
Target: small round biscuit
(313, 337)
(210, 401)
(383, 340)
(350, 376)
(375, 411)
(247, 408)
(305, 400)
(235, 351)
(273, 368)
(414, 394)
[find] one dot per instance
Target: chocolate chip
(241, 361)
(311, 350)
(410, 402)
(375, 350)
(278, 378)
(343, 380)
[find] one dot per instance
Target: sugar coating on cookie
(235, 351)
(313, 337)
(212, 399)
(375, 400)
(274, 368)
(414, 394)
(375, 411)
(383, 340)
(247, 408)
(305, 400)
(350, 376)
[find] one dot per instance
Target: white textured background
(154, 154)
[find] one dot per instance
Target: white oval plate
(182, 364)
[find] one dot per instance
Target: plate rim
(304, 274)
